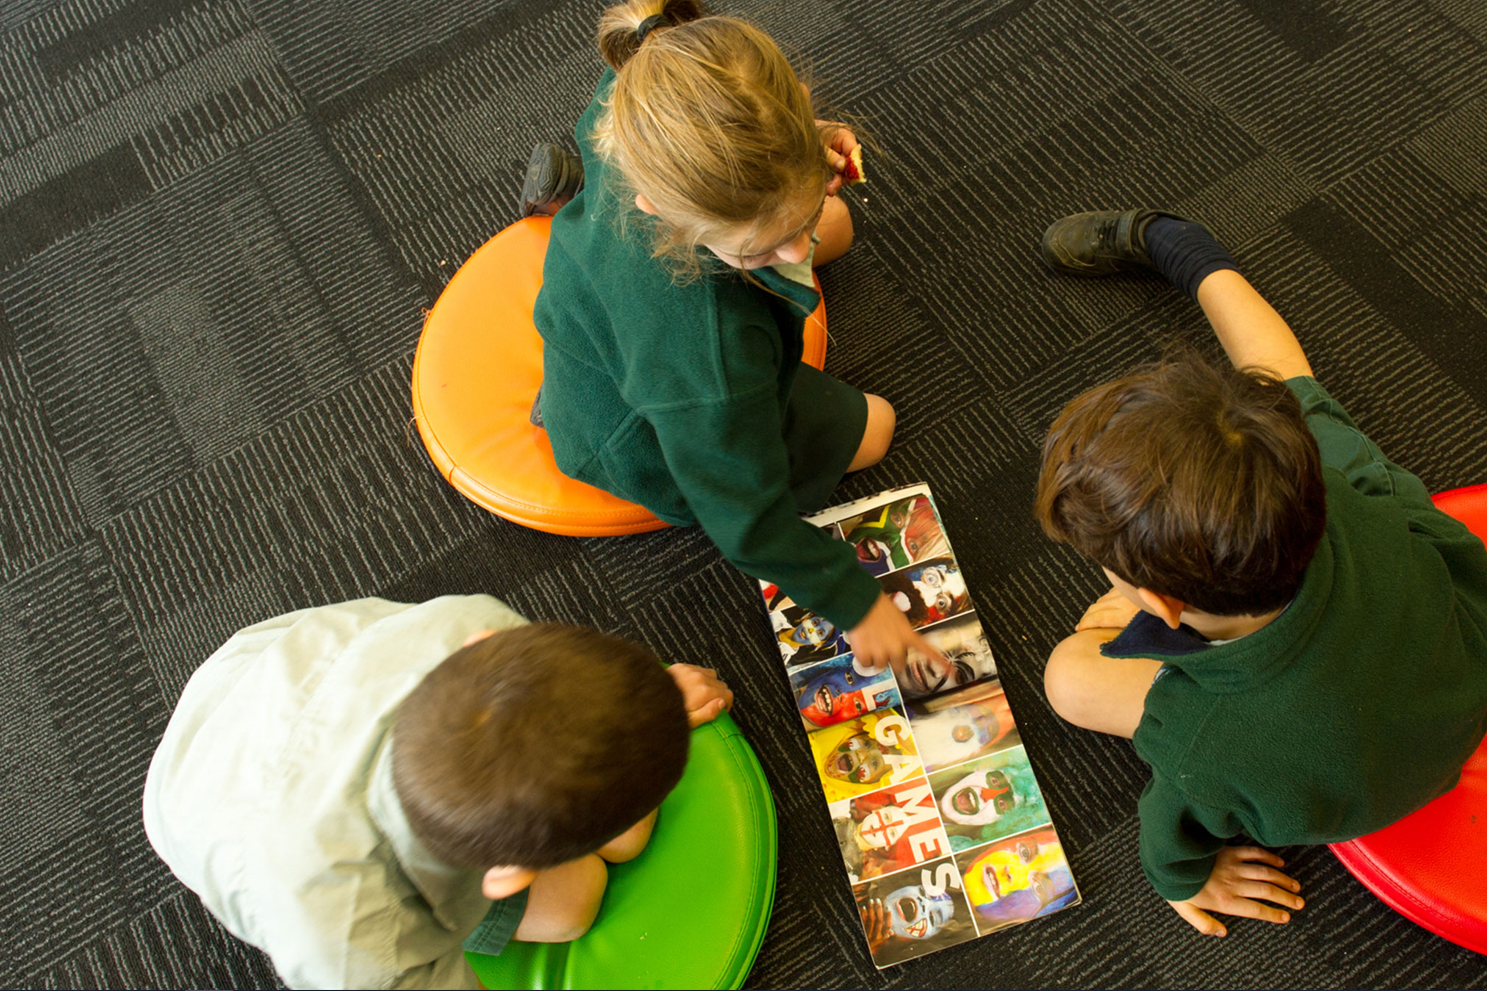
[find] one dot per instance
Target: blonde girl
(676, 287)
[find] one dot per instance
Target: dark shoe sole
(554, 176)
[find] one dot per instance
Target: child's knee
(1064, 681)
(877, 435)
(564, 901)
(834, 231)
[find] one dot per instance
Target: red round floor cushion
(475, 376)
(1431, 866)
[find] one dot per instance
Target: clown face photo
(979, 797)
(804, 637)
(928, 593)
(865, 754)
(988, 798)
(858, 759)
(889, 830)
(1018, 879)
(976, 721)
(914, 914)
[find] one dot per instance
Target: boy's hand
(884, 638)
(705, 695)
(1239, 877)
(839, 144)
(874, 923)
(1111, 611)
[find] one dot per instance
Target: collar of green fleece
(1251, 660)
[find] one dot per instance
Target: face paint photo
(1018, 879)
(928, 593)
(865, 754)
(989, 798)
(889, 830)
(878, 537)
(976, 721)
(922, 536)
(967, 653)
(806, 638)
(838, 689)
(919, 918)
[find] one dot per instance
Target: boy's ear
(503, 882)
(476, 637)
(644, 205)
(1163, 607)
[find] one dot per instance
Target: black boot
(1109, 241)
(1101, 243)
(554, 176)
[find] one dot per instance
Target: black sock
(1185, 252)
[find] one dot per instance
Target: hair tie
(650, 24)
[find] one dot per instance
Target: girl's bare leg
(881, 419)
(835, 231)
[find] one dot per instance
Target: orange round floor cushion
(475, 376)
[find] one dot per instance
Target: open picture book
(943, 831)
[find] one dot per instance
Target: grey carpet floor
(220, 221)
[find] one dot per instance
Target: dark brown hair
(537, 745)
(1198, 482)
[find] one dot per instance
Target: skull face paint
(914, 914)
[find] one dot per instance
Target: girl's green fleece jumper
(680, 396)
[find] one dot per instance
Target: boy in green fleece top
(1296, 639)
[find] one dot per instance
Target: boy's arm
(1252, 333)
(1185, 857)
(1178, 844)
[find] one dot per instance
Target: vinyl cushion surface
(476, 375)
(1431, 866)
(691, 910)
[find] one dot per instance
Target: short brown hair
(1198, 482)
(537, 745)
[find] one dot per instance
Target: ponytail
(620, 33)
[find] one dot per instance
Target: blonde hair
(707, 120)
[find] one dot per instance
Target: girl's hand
(1240, 876)
(839, 144)
(1111, 611)
(705, 695)
(884, 637)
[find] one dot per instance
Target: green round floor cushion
(691, 910)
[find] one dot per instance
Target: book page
(940, 823)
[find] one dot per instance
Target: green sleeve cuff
(845, 603)
(1175, 888)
